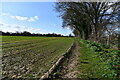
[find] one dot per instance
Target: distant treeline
(26, 33)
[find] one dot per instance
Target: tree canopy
(89, 19)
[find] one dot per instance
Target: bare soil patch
(68, 67)
(71, 68)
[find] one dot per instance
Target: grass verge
(97, 61)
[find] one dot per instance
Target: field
(31, 56)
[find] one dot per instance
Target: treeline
(26, 33)
(95, 21)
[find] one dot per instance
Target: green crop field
(31, 56)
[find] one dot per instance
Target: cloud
(36, 17)
(30, 19)
(13, 28)
(20, 28)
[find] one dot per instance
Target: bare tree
(89, 18)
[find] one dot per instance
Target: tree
(89, 18)
(110, 32)
(25, 33)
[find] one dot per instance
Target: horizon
(34, 17)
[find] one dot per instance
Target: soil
(71, 69)
(68, 69)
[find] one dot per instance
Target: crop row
(22, 48)
(10, 39)
(22, 43)
(33, 60)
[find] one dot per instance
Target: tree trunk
(83, 35)
(108, 40)
(94, 34)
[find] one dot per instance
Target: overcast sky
(35, 17)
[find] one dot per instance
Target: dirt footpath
(71, 68)
(68, 67)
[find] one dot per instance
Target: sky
(35, 17)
